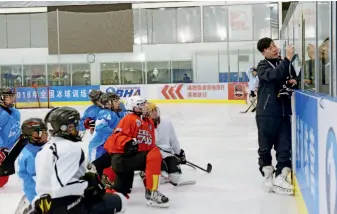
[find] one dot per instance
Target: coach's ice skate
(268, 177)
(281, 183)
(156, 199)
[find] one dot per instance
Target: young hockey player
(167, 142)
(9, 126)
(35, 132)
(106, 122)
(90, 114)
(132, 148)
(62, 183)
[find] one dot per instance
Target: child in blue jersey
(90, 114)
(35, 131)
(9, 126)
(106, 122)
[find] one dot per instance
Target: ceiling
(23, 4)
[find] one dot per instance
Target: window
(3, 31)
(182, 71)
(38, 30)
(163, 25)
(132, 73)
(140, 26)
(240, 23)
(158, 72)
(18, 32)
(308, 40)
(34, 75)
(215, 23)
(58, 75)
(274, 21)
(323, 12)
(110, 74)
(11, 76)
(262, 20)
(80, 74)
(188, 24)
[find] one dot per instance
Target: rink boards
(161, 93)
(315, 152)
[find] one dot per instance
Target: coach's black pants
(274, 131)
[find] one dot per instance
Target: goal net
(32, 97)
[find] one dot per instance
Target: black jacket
(271, 81)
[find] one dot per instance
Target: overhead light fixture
(268, 18)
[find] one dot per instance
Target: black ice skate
(156, 199)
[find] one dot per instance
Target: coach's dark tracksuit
(273, 113)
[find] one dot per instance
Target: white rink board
(217, 134)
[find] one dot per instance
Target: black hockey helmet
(64, 122)
(4, 92)
(33, 129)
(95, 96)
(48, 114)
(108, 98)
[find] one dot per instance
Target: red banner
(172, 92)
(237, 91)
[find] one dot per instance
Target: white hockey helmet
(134, 102)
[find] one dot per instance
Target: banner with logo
(307, 155)
(237, 90)
(210, 91)
(327, 124)
(123, 91)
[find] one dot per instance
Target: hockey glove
(95, 188)
(89, 123)
(181, 157)
(131, 147)
(3, 154)
(43, 204)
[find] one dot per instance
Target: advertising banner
(71, 94)
(237, 90)
(327, 124)
(307, 155)
(29, 97)
(215, 91)
(123, 91)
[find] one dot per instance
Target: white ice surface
(216, 134)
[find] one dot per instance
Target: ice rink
(216, 134)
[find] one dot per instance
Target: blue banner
(71, 93)
(26, 95)
(307, 150)
(29, 94)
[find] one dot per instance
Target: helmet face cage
(107, 100)
(7, 93)
(35, 130)
(95, 96)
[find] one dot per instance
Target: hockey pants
(109, 203)
(103, 166)
(125, 165)
(274, 132)
(170, 165)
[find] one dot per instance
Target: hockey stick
(208, 170)
(23, 206)
(209, 166)
(175, 156)
(248, 108)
